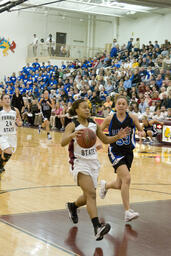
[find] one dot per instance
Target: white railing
(60, 50)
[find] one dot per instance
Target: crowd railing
(61, 51)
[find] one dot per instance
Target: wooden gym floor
(37, 184)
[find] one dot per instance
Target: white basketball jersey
(75, 150)
(7, 122)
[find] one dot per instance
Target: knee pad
(7, 157)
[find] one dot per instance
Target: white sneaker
(103, 190)
(131, 215)
(49, 137)
(39, 129)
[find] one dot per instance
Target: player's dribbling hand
(77, 133)
(124, 132)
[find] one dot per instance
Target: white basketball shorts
(87, 167)
(8, 141)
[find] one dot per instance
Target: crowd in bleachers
(143, 75)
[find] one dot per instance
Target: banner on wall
(5, 45)
(166, 136)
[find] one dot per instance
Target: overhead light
(3, 1)
(130, 12)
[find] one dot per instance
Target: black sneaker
(2, 169)
(101, 231)
(147, 140)
(72, 212)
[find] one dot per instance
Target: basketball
(87, 139)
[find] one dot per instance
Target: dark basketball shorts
(46, 116)
(154, 133)
(120, 159)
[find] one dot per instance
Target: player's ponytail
(75, 105)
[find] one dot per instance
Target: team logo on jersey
(6, 46)
(116, 161)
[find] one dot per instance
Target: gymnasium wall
(105, 29)
(20, 27)
(146, 27)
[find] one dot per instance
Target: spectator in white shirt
(153, 106)
(51, 45)
(163, 91)
(168, 114)
(159, 115)
(148, 113)
(114, 44)
(35, 44)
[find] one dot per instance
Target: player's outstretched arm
(140, 128)
(111, 139)
(106, 122)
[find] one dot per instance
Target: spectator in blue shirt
(23, 89)
(8, 81)
(13, 78)
(48, 65)
(43, 65)
(63, 66)
(130, 45)
(36, 63)
(159, 81)
(113, 52)
(142, 106)
(127, 83)
(1, 85)
(156, 45)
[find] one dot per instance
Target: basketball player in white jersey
(85, 164)
(9, 118)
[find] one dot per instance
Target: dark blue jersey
(126, 144)
(46, 109)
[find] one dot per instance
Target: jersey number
(124, 141)
(8, 123)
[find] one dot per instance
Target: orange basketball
(87, 139)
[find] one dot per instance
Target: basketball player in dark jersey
(149, 129)
(84, 163)
(46, 105)
(121, 153)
